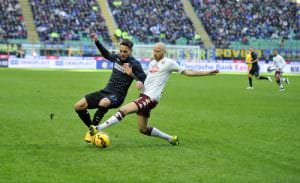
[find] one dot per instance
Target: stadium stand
(148, 21)
(11, 21)
(60, 20)
(249, 21)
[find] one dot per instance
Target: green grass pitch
(228, 134)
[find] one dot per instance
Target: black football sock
(250, 81)
(278, 82)
(99, 115)
(85, 117)
(263, 78)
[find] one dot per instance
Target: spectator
(152, 21)
(11, 20)
(232, 20)
(60, 20)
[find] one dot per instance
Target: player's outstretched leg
(264, 78)
(81, 109)
(116, 118)
(279, 81)
(84, 115)
(99, 115)
(151, 131)
(286, 80)
(250, 87)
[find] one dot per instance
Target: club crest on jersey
(119, 67)
(154, 68)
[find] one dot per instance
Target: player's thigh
(142, 122)
(93, 99)
(81, 104)
(111, 101)
(105, 102)
(278, 75)
(129, 108)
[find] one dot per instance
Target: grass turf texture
(228, 134)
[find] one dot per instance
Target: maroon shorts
(145, 104)
(278, 72)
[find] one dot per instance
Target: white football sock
(282, 79)
(111, 121)
(157, 133)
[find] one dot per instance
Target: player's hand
(214, 72)
(139, 85)
(127, 69)
(94, 37)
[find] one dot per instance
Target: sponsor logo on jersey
(154, 69)
(119, 67)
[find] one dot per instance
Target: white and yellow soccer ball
(101, 140)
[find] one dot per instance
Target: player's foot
(269, 78)
(174, 140)
(93, 130)
(281, 89)
(287, 81)
(250, 88)
(88, 137)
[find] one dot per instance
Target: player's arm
(104, 52)
(136, 72)
(199, 73)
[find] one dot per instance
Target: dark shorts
(278, 72)
(254, 70)
(145, 105)
(93, 99)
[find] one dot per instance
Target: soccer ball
(101, 140)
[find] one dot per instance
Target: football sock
(283, 79)
(263, 77)
(157, 133)
(99, 115)
(278, 82)
(84, 115)
(111, 121)
(250, 81)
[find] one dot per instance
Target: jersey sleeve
(138, 71)
(104, 52)
(174, 67)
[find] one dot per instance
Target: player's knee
(105, 102)
(80, 106)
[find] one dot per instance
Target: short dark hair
(128, 43)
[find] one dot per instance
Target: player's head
(251, 50)
(125, 49)
(159, 51)
(275, 52)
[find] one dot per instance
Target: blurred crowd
(152, 20)
(236, 20)
(11, 20)
(60, 20)
(149, 21)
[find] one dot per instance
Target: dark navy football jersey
(119, 81)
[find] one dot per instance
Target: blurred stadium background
(198, 32)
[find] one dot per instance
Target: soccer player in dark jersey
(254, 71)
(113, 95)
